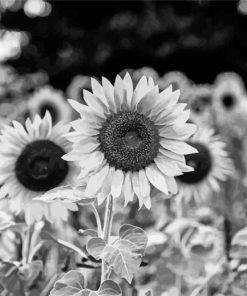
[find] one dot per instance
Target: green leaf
(46, 236)
(239, 244)
(95, 247)
(109, 288)
(135, 235)
(125, 255)
(72, 284)
(9, 276)
(29, 272)
(88, 232)
(67, 194)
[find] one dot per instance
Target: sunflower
(49, 99)
(130, 140)
(178, 80)
(229, 103)
(136, 74)
(199, 101)
(75, 89)
(31, 164)
(211, 164)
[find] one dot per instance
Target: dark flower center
(228, 101)
(129, 141)
(200, 104)
(51, 108)
(201, 162)
(40, 166)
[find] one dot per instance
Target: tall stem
(26, 244)
(98, 221)
(107, 232)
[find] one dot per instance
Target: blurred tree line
(200, 38)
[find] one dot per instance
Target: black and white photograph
(123, 148)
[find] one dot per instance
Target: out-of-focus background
(61, 39)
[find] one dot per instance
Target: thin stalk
(26, 244)
(107, 232)
(98, 221)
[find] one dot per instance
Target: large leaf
(46, 236)
(124, 255)
(72, 284)
(109, 288)
(95, 247)
(14, 278)
(67, 194)
(239, 244)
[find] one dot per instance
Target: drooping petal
(117, 183)
(156, 178)
(96, 181)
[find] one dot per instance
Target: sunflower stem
(107, 232)
(26, 244)
(98, 221)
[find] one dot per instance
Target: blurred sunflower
(211, 164)
(199, 101)
(178, 80)
(136, 74)
(130, 140)
(49, 99)
(32, 164)
(229, 103)
(75, 89)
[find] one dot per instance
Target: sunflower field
(123, 148)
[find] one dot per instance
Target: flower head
(49, 99)
(130, 140)
(229, 104)
(178, 80)
(75, 89)
(200, 103)
(211, 164)
(32, 164)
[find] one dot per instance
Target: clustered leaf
(14, 278)
(73, 284)
(239, 244)
(123, 256)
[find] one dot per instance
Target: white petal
(117, 183)
(144, 189)
(129, 87)
(106, 188)
(120, 94)
(99, 91)
(172, 155)
(156, 178)
(148, 101)
(177, 146)
(172, 185)
(96, 181)
(139, 91)
(78, 107)
(128, 189)
(135, 183)
(74, 155)
(95, 103)
(109, 94)
(167, 166)
(4, 190)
